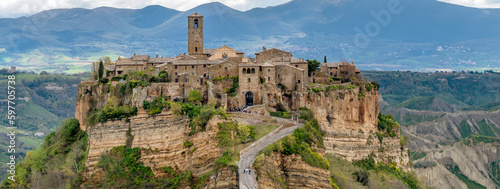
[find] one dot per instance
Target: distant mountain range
(419, 35)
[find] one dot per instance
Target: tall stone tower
(195, 34)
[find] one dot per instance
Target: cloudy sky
(17, 8)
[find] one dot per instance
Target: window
(331, 73)
(204, 65)
(279, 76)
(296, 65)
(253, 70)
(268, 70)
(244, 70)
(175, 73)
(185, 67)
(224, 55)
(192, 66)
(225, 68)
(175, 67)
(298, 81)
(227, 75)
(196, 49)
(249, 80)
(176, 80)
(248, 70)
(268, 78)
(195, 23)
(260, 68)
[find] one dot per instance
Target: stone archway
(249, 99)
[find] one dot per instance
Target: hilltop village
(276, 69)
(224, 119)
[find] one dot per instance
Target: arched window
(224, 55)
(196, 49)
(248, 70)
(225, 68)
(253, 70)
(195, 23)
(249, 80)
(244, 70)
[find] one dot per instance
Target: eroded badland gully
(345, 106)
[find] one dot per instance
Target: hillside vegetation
(47, 100)
(439, 91)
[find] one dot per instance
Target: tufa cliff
(346, 115)
(349, 118)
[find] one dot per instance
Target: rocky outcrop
(280, 171)
(350, 122)
(94, 95)
(161, 139)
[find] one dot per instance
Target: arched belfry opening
(195, 34)
(249, 98)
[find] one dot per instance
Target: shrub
(163, 74)
(111, 113)
(155, 107)
(103, 80)
(116, 78)
(187, 144)
(194, 96)
(387, 125)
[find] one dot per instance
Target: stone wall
(291, 77)
(226, 69)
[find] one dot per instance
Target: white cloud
(475, 3)
(17, 8)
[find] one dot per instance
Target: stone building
(270, 78)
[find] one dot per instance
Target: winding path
(248, 155)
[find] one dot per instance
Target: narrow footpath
(250, 153)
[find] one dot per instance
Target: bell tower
(195, 34)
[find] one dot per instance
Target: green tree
(101, 70)
(194, 96)
(324, 60)
(312, 65)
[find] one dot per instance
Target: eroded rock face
(161, 139)
(93, 95)
(473, 160)
(278, 171)
(350, 122)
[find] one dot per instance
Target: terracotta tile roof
(208, 51)
(248, 65)
(160, 60)
(196, 62)
(335, 65)
(140, 57)
(272, 49)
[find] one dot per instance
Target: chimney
(134, 54)
(156, 55)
